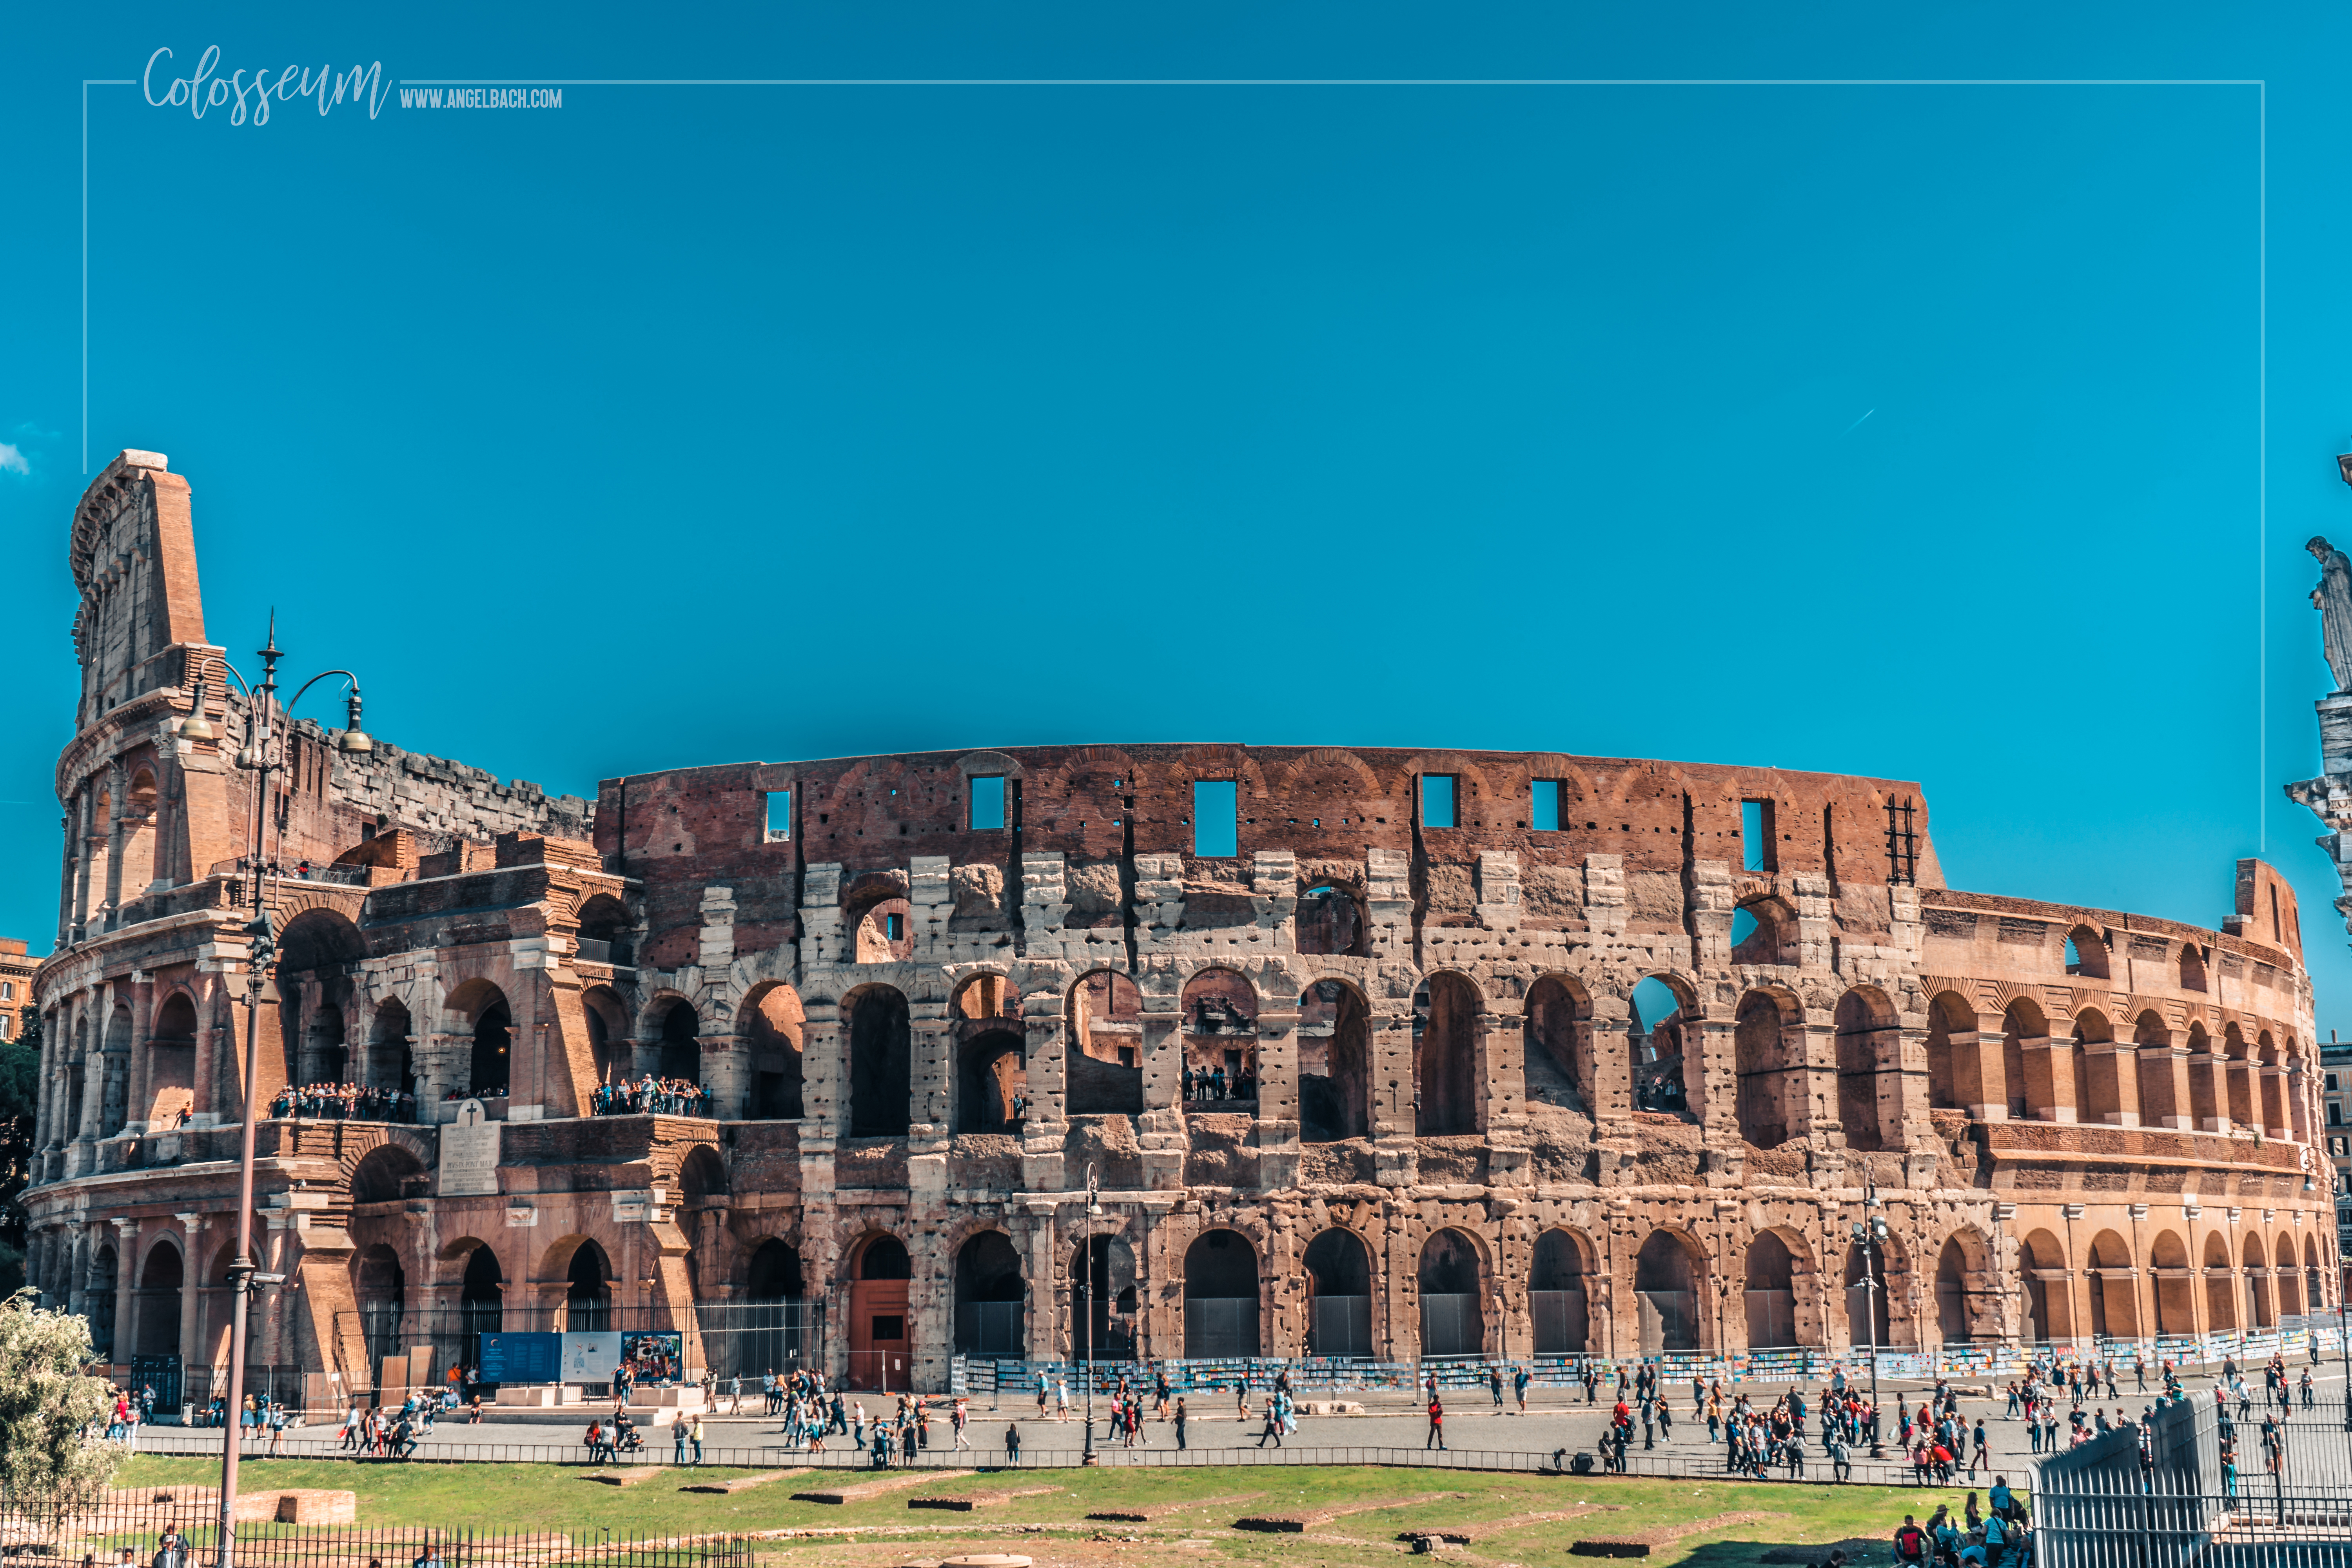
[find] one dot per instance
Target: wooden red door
(881, 1348)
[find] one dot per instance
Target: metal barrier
(2197, 1483)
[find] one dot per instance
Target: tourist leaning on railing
(650, 1096)
(344, 1103)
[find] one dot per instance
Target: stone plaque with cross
(469, 1152)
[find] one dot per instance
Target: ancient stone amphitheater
(1281, 1051)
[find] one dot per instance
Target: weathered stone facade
(1548, 1053)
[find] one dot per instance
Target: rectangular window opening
(1543, 806)
(1216, 832)
(1437, 800)
(1756, 845)
(987, 803)
(780, 815)
(894, 927)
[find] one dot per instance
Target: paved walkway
(1556, 1420)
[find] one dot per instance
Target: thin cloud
(12, 460)
(1856, 424)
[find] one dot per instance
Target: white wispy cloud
(12, 460)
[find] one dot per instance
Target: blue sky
(1904, 430)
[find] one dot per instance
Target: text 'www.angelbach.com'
(481, 98)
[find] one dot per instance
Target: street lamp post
(1868, 1235)
(264, 752)
(1087, 1311)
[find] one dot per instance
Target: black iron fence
(179, 1527)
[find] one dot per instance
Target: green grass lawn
(1052, 1528)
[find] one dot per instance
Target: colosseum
(1155, 1050)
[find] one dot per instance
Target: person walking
(1519, 1381)
(1273, 1427)
(1436, 1438)
(1494, 1384)
(1181, 1418)
(960, 1418)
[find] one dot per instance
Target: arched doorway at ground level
(881, 1340)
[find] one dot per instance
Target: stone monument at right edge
(2329, 796)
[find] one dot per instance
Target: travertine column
(192, 1278)
(2272, 1108)
(724, 1075)
(76, 1280)
(2205, 1067)
(439, 1070)
(126, 1286)
(77, 838)
(1277, 1098)
(51, 1079)
(2163, 1080)
(2051, 1093)
(137, 1070)
(2113, 1067)
(1160, 1128)
(931, 1049)
(115, 786)
(824, 1104)
(1980, 1083)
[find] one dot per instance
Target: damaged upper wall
(149, 808)
(1100, 807)
(133, 556)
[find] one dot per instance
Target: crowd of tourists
(651, 1096)
(1211, 1083)
(391, 1432)
(345, 1102)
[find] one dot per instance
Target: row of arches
(2098, 1071)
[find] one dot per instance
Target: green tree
(47, 1404)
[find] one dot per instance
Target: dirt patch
(634, 1475)
(1293, 1524)
(1145, 1515)
(1667, 1534)
(864, 1490)
(743, 1483)
(965, 1502)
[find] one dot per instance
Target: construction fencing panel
(1342, 1326)
(2198, 1484)
(1220, 1326)
(992, 1328)
(1452, 1325)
